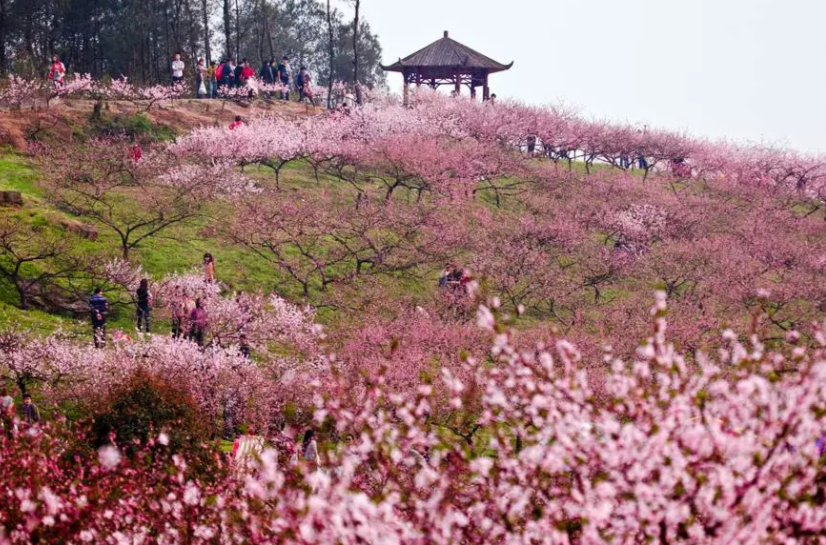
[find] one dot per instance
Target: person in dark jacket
(267, 75)
(285, 77)
(198, 318)
(144, 297)
(29, 412)
(244, 346)
(226, 77)
(301, 81)
(99, 305)
(239, 71)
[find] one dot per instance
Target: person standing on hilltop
(201, 79)
(267, 74)
(248, 78)
(212, 80)
(57, 72)
(285, 76)
(227, 78)
(247, 73)
(305, 84)
(177, 69)
(219, 75)
(239, 73)
(99, 305)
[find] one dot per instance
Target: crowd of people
(213, 76)
(227, 74)
(189, 317)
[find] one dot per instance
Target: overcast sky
(746, 69)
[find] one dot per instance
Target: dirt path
(60, 119)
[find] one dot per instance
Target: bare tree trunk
(228, 28)
(205, 14)
(3, 64)
(356, 53)
(237, 32)
(268, 31)
(332, 54)
(356, 44)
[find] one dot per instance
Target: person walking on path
(29, 412)
(199, 320)
(177, 69)
(144, 297)
(99, 305)
(57, 72)
(209, 261)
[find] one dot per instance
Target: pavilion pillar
(485, 89)
(406, 93)
(458, 84)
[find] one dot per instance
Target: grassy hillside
(573, 248)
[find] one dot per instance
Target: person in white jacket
(177, 69)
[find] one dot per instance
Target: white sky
(746, 69)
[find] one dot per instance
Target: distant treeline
(137, 38)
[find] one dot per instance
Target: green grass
(179, 249)
(16, 174)
(38, 322)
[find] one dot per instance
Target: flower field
(504, 323)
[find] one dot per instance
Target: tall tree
(227, 29)
(332, 54)
(205, 15)
(4, 33)
(356, 51)
(135, 38)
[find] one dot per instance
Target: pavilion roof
(447, 53)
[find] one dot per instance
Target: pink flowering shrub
(16, 91)
(719, 449)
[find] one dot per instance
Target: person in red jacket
(235, 124)
(57, 72)
(246, 72)
(136, 153)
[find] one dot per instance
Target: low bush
(145, 405)
(136, 127)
